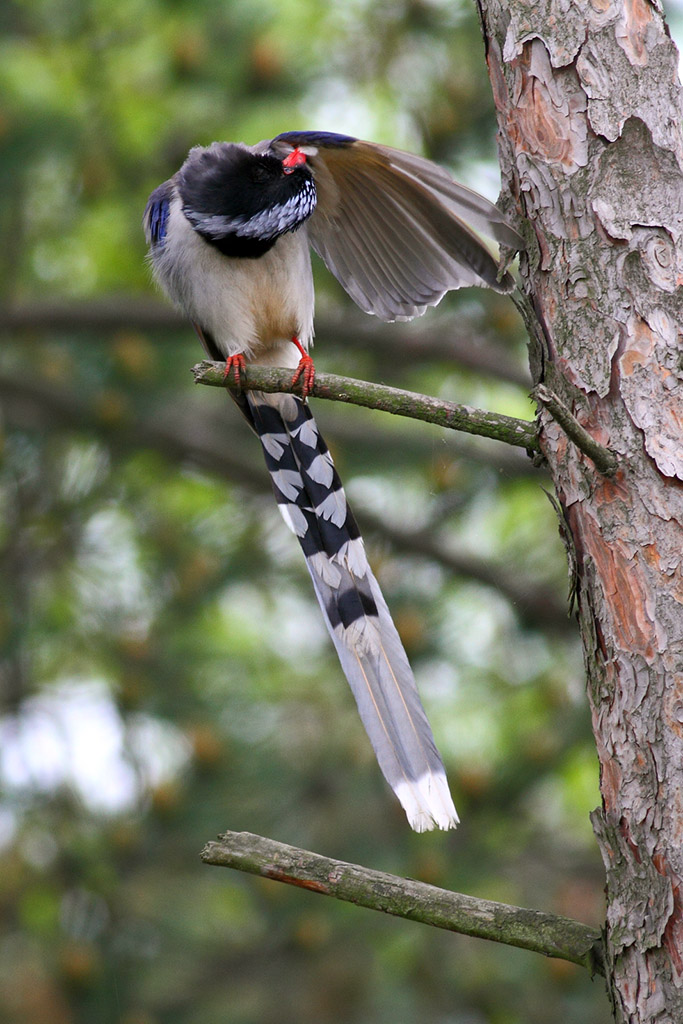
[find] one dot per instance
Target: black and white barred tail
(313, 504)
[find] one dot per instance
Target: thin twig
(521, 433)
(604, 460)
(554, 936)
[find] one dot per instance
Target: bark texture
(589, 110)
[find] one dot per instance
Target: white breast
(253, 306)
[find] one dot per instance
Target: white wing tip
(427, 803)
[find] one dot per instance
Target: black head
(241, 201)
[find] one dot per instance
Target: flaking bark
(589, 108)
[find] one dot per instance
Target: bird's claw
(305, 372)
(235, 365)
(305, 369)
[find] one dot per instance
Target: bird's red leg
(305, 369)
(235, 365)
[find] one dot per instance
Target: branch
(521, 433)
(99, 316)
(554, 936)
(605, 461)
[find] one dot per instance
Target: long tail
(313, 504)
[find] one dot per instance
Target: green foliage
(163, 667)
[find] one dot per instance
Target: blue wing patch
(156, 214)
(330, 139)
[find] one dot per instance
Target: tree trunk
(589, 110)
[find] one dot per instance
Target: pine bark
(589, 109)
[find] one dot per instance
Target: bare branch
(520, 433)
(117, 313)
(549, 934)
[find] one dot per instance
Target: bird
(229, 239)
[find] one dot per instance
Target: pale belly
(253, 306)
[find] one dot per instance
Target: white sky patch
(346, 111)
(482, 176)
(289, 624)
(81, 469)
(110, 579)
(403, 502)
(72, 735)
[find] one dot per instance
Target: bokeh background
(164, 670)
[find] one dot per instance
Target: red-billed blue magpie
(229, 238)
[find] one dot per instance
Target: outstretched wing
(394, 228)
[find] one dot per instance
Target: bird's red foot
(235, 365)
(305, 370)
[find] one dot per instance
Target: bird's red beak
(295, 159)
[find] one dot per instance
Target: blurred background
(164, 669)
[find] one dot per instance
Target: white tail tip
(427, 803)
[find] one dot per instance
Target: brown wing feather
(391, 227)
(472, 207)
